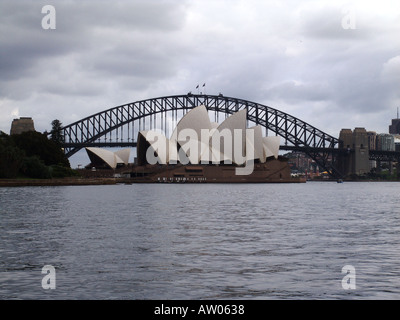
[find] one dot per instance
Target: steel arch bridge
(297, 134)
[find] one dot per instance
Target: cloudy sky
(334, 64)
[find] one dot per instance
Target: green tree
(11, 158)
(37, 144)
(33, 155)
(33, 167)
(61, 172)
(56, 132)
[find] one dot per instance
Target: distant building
(300, 162)
(397, 143)
(360, 141)
(394, 128)
(372, 146)
(21, 125)
(385, 142)
(371, 140)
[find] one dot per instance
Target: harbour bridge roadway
(118, 126)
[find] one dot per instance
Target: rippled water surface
(201, 241)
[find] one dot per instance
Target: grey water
(201, 241)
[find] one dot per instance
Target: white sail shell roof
(271, 146)
(111, 158)
(236, 122)
(254, 145)
(201, 141)
(196, 119)
(123, 154)
(160, 146)
(187, 134)
(214, 125)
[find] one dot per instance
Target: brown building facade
(21, 125)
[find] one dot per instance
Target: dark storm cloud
(23, 41)
(292, 55)
(98, 38)
(80, 25)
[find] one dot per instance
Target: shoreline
(59, 182)
(114, 181)
(100, 181)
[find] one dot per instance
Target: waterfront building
(397, 143)
(203, 151)
(371, 140)
(372, 146)
(301, 163)
(360, 145)
(385, 142)
(229, 142)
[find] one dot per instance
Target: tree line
(33, 155)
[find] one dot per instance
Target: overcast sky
(333, 64)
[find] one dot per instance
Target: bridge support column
(356, 160)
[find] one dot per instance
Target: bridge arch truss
(297, 134)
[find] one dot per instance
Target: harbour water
(201, 241)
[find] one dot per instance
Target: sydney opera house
(202, 151)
